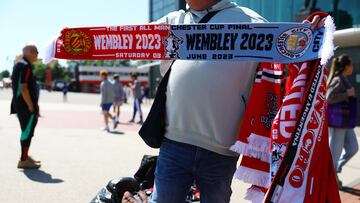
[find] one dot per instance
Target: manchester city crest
(294, 42)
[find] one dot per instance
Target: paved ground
(78, 158)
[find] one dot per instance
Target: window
(346, 12)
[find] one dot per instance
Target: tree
(40, 72)
(141, 62)
(105, 63)
(4, 74)
(57, 72)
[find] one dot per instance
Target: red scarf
(301, 165)
(305, 168)
(253, 139)
(300, 159)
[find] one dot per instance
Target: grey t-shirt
(204, 105)
(137, 89)
(107, 92)
(119, 91)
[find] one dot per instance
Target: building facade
(159, 8)
(346, 15)
(345, 12)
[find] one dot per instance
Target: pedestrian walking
(341, 93)
(107, 98)
(118, 99)
(65, 90)
(136, 90)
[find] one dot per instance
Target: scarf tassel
(253, 176)
(50, 51)
(255, 195)
(257, 147)
(328, 48)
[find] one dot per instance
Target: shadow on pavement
(115, 132)
(125, 123)
(350, 190)
(40, 176)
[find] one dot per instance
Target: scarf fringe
(240, 148)
(253, 176)
(257, 147)
(259, 143)
(327, 50)
(50, 51)
(255, 195)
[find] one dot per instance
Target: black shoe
(140, 122)
(131, 121)
(339, 182)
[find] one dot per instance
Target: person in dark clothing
(25, 103)
(136, 88)
(343, 142)
(65, 91)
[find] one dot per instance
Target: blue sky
(38, 21)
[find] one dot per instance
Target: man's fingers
(321, 23)
(315, 21)
(143, 196)
(128, 198)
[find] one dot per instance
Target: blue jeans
(137, 107)
(342, 138)
(179, 164)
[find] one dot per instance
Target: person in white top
(205, 104)
(204, 107)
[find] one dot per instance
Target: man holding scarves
(198, 139)
(206, 101)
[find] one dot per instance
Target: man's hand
(129, 198)
(316, 23)
(131, 85)
(26, 96)
(31, 108)
(351, 92)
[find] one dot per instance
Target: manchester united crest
(77, 42)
